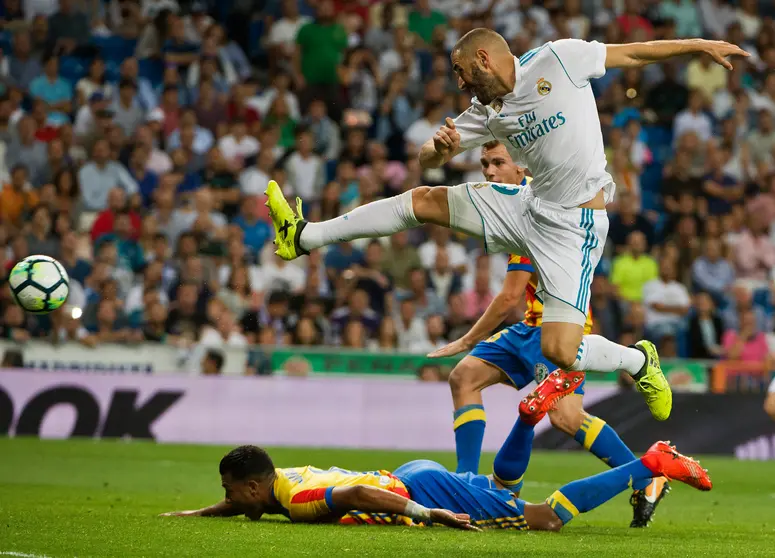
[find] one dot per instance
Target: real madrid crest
(544, 87)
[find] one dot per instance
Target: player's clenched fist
(447, 140)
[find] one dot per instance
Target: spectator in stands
(212, 363)
(357, 310)
(185, 318)
(633, 268)
(721, 190)
(27, 151)
(705, 329)
(423, 20)
(667, 303)
(238, 145)
(442, 278)
(99, 175)
(425, 299)
(627, 220)
(68, 29)
(761, 141)
(747, 344)
(54, 90)
(224, 333)
(274, 317)
(41, 238)
(388, 335)
(306, 333)
(703, 75)
(325, 132)
(23, 66)
(127, 111)
(411, 328)
(693, 118)
(479, 297)
(109, 328)
(306, 171)
(282, 35)
(711, 273)
(17, 199)
(754, 252)
(76, 266)
(320, 48)
(12, 358)
(95, 81)
(354, 335)
(15, 326)
(256, 231)
(370, 278)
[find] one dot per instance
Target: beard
(485, 87)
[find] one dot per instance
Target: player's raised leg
(602, 441)
(294, 236)
(586, 494)
(467, 380)
(565, 246)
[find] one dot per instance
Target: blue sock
(470, 421)
(513, 457)
(605, 444)
(586, 494)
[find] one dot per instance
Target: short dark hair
(13, 358)
(245, 462)
(216, 357)
(491, 144)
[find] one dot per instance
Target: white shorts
(565, 245)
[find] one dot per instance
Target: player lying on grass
(513, 357)
(424, 492)
(540, 106)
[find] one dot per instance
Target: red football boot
(664, 460)
(543, 399)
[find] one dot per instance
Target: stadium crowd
(137, 137)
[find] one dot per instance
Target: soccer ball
(39, 284)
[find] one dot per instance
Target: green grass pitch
(87, 498)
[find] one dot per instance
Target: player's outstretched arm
(370, 499)
(221, 509)
(641, 54)
(511, 292)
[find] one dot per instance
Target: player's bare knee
(566, 419)
(554, 524)
(559, 351)
(462, 379)
(541, 517)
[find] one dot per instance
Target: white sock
(373, 220)
(598, 354)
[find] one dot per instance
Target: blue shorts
(516, 350)
(432, 486)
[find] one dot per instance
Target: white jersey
(549, 123)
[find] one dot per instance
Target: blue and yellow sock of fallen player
(512, 459)
(470, 421)
(586, 494)
(603, 442)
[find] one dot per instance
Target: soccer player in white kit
(541, 107)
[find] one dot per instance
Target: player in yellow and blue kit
(513, 356)
(422, 493)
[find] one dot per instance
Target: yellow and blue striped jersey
(305, 494)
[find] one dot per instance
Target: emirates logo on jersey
(544, 87)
